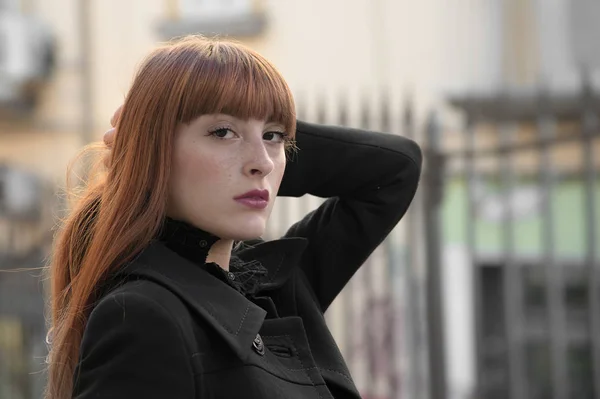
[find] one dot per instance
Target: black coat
(170, 329)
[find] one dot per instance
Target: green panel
(569, 217)
(454, 212)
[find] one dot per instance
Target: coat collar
(188, 241)
(232, 315)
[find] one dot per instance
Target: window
(535, 347)
(214, 8)
(237, 18)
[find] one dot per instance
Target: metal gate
(379, 318)
(27, 211)
(517, 189)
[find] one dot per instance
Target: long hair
(120, 213)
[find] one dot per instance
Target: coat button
(231, 276)
(258, 345)
(203, 244)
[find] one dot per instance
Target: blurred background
(489, 288)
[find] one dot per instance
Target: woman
(161, 285)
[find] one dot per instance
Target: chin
(248, 230)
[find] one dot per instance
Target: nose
(259, 162)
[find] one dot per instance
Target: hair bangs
(230, 79)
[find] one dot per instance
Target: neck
(220, 253)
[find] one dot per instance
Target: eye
(275, 137)
(223, 133)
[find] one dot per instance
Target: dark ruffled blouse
(193, 244)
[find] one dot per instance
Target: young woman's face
(226, 174)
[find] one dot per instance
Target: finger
(115, 118)
(109, 137)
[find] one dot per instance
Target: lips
(257, 194)
(257, 199)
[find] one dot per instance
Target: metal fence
(537, 316)
(522, 166)
(379, 318)
(527, 165)
(27, 211)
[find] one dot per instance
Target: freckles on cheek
(207, 170)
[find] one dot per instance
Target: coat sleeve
(369, 179)
(132, 347)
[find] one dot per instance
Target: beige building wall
(424, 49)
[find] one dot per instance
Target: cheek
(193, 167)
(197, 179)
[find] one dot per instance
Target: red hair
(124, 207)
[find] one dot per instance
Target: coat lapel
(232, 315)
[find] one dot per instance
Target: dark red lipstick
(257, 199)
